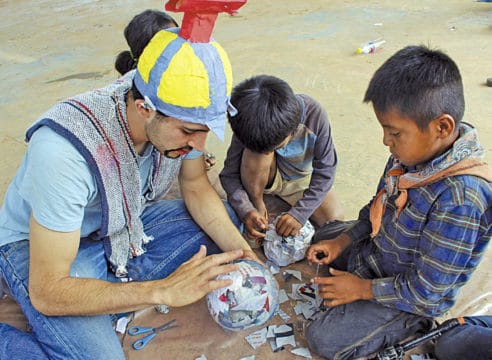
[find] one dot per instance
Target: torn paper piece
(252, 357)
(284, 335)
(309, 293)
(273, 345)
(280, 335)
(121, 325)
(202, 357)
(295, 273)
(298, 307)
(257, 338)
(304, 352)
(308, 310)
(282, 296)
(285, 317)
(295, 294)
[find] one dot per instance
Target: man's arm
(206, 207)
(53, 292)
(230, 179)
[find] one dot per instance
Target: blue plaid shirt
(419, 261)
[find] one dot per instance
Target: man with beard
(84, 229)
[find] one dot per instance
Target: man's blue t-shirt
(55, 184)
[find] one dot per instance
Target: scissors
(142, 342)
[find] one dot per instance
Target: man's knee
(324, 336)
(318, 338)
(343, 330)
(464, 342)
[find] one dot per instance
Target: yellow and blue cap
(188, 81)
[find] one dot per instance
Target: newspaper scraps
(282, 296)
(121, 324)
(257, 338)
(285, 250)
(308, 304)
(279, 336)
(304, 352)
(285, 317)
(288, 274)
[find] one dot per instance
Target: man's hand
(256, 224)
(342, 288)
(325, 251)
(287, 225)
(251, 255)
(196, 278)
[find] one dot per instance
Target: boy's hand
(287, 225)
(325, 251)
(255, 224)
(342, 288)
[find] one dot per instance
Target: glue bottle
(370, 46)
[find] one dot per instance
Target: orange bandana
(464, 158)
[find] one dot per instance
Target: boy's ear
(444, 125)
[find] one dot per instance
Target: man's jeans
(361, 328)
(176, 239)
(470, 341)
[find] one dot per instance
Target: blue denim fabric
(470, 341)
(24, 347)
(360, 329)
(176, 239)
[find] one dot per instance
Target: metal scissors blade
(168, 325)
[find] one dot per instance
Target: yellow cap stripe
(153, 51)
(188, 78)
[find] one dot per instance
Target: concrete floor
(52, 49)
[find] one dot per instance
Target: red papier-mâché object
(200, 15)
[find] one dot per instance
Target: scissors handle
(135, 330)
(141, 343)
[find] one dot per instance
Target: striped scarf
(464, 158)
(96, 124)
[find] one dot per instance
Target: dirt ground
(52, 49)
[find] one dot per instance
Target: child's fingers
(336, 272)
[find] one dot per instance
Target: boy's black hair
(138, 33)
(267, 112)
(419, 83)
